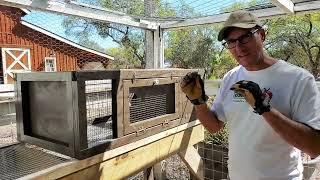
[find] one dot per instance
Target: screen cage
(83, 113)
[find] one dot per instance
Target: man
(272, 107)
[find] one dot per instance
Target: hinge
(165, 122)
(133, 77)
(155, 82)
(141, 130)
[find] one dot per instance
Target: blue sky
(53, 22)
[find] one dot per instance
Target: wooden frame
(71, 110)
(132, 158)
(136, 127)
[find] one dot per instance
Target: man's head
(239, 19)
(243, 36)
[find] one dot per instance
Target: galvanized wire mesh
(147, 107)
(99, 111)
(20, 160)
(215, 160)
(149, 102)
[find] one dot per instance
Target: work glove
(258, 100)
(192, 85)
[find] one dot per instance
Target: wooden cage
(84, 113)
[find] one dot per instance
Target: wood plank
(159, 73)
(176, 133)
(81, 10)
(192, 159)
(285, 5)
(158, 174)
(132, 162)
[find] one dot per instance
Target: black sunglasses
(231, 43)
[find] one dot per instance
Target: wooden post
(152, 59)
(192, 159)
(153, 40)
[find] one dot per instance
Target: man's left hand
(260, 101)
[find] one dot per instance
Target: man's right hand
(192, 85)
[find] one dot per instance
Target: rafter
(286, 5)
(81, 10)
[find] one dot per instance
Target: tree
(127, 37)
(190, 48)
(296, 39)
(124, 58)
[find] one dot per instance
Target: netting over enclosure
(64, 35)
(40, 41)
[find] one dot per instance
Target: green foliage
(124, 59)
(223, 62)
(295, 38)
(191, 48)
(132, 7)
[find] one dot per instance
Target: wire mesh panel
(20, 160)
(99, 111)
(150, 102)
(215, 160)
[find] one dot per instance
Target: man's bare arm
(208, 119)
(297, 134)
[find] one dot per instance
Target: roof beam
(261, 13)
(286, 5)
(83, 11)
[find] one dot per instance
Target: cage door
(149, 102)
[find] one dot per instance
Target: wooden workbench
(130, 159)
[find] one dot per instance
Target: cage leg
(192, 159)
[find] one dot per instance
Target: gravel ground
(8, 134)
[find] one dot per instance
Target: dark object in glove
(260, 101)
(192, 85)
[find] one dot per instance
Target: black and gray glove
(258, 100)
(192, 85)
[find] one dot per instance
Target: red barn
(27, 47)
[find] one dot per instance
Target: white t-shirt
(256, 151)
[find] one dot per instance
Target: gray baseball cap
(240, 19)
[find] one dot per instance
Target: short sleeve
(306, 103)
(217, 106)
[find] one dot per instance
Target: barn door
(15, 60)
